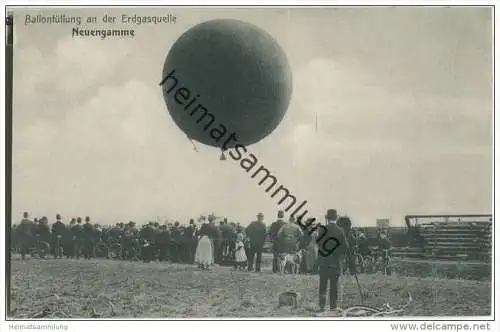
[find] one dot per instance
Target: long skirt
(204, 255)
(240, 255)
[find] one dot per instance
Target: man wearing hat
(345, 223)
(129, 236)
(273, 236)
(332, 248)
(78, 237)
(189, 242)
(256, 232)
(228, 234)
(44, 230)
(88, 232)
(175, 243)
(384, 246)
(215, 234)
(289, 236)
(58, 233)
(162, 241)
(25, 234)
(69, 241)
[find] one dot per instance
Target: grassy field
(164, 290)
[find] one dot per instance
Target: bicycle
(115, 250)
(101, 250)
(388, 264)
(40, 249)
(368, 263)
(358, 260)
(134, 251)
(384, 263)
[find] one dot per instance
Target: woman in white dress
(204, 255)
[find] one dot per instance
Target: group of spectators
(84, 239)
(229, 242)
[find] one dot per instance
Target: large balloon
(226, 76)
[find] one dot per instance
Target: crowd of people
(205, 242)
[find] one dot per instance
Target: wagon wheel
(42, 248)
(101, 250)
(115, 251)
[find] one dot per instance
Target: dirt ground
(165, 290)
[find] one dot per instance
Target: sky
(402, 96)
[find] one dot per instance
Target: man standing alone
(273, 236)
(333, 247)
(257, 232)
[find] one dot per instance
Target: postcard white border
(126, 325)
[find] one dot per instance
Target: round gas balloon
(225, 77)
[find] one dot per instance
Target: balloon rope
(194, 146)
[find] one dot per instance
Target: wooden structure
(440, 237)
(448, 237)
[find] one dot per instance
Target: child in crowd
(240, 255)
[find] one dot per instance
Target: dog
(293, 260)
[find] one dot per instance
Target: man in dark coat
(88, 241)
(175, 243)
(58, 234)
(345, 223)
(162, 241)
(256, 232)
(45, 229)
(78, 237)
(25, 234)
(13, 239)
(332, 248)
(69, 240)
(190, 241)
(115, 234)
(384, 246)
(364, 249)
(228, 234)
(147, 236)
(129, 241)
(215, 234)
(273, 236)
